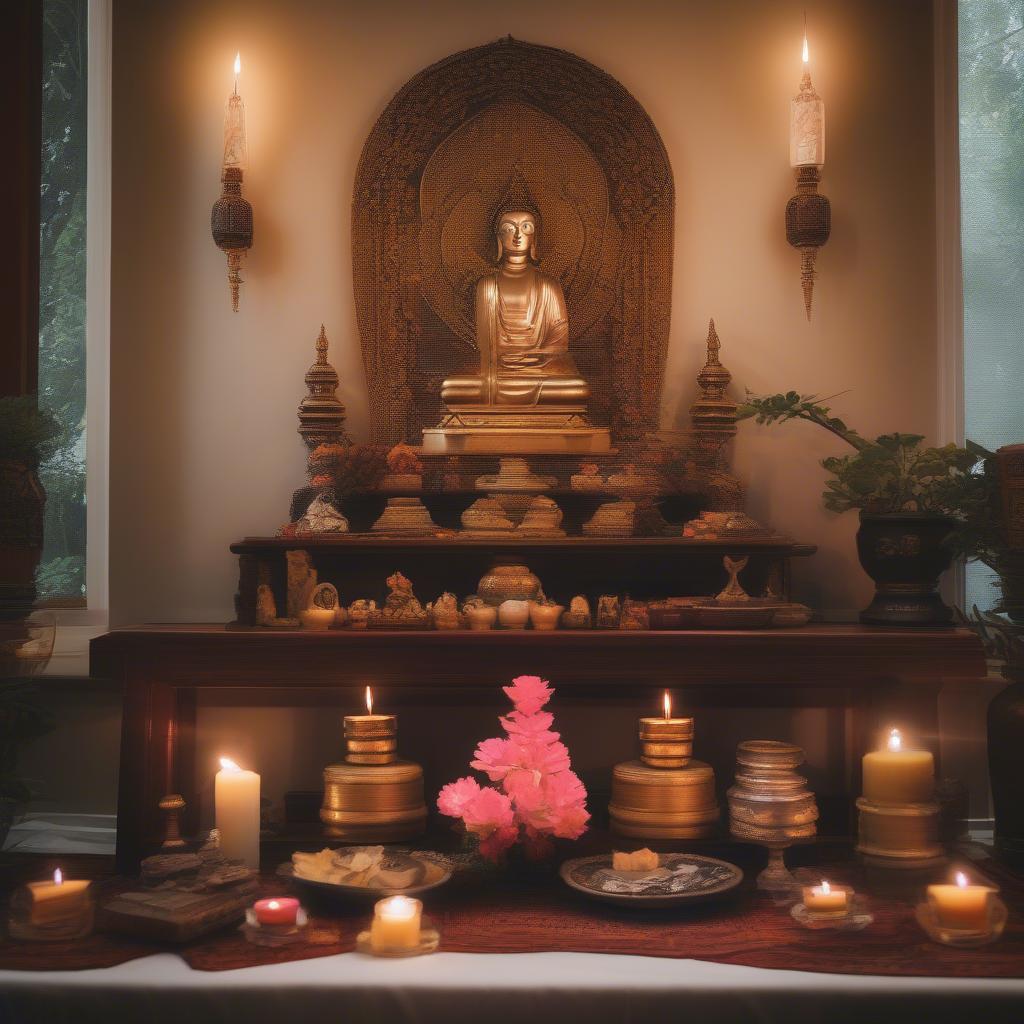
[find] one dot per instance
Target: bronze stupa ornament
(321, 413)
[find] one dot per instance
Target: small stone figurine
(733, 593)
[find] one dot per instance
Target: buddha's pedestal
(515, 430)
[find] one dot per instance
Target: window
(991, 73)
(62, 285)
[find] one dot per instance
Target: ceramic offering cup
(545, 616)
(514, 614)
(481, 617)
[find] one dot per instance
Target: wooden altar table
(881, 674)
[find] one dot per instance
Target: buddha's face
(517, 233)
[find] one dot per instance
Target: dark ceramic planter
(22, 501)
(905, 554)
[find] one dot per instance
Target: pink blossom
(494, 756)
(452, 800)
(528, 693)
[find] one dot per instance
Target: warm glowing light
(667, 703)
(825, 888)
(273, 905)
(238, 60)
(58, 877)
(228, 765)
(961, 880)
(806, 53)
(369, 701)
(399, 908)
(895, 740)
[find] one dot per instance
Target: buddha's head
(516, 231)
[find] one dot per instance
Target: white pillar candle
(396, 923)
(237, 800)
(236, 150)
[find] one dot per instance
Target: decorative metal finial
(321, 413)
(172, 805)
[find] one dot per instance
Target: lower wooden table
(882, 674)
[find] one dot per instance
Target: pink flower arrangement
(537, 797)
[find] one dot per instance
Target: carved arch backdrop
(512, 120)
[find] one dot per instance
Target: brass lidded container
(373, 796)
(770, 804)
(899, 835)
(665, 794)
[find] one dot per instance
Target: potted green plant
(909, 499)
(28, 436)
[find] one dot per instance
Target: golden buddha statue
(529, 395)
(522, 330)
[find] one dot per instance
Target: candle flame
(825, 888)
(238, 62)
(369, 701)
(895, 740)
(806, 51)
(398, 906)
(228, 765)
(961, 880)
(667, 704)
(58, 877)
(273, 905)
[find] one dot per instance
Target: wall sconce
(808, 215)
(231, 217)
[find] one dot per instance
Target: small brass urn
(373, 796)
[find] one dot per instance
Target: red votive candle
(279, 910)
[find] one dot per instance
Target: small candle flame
(400, 907)
(825, 888)
(961, 880)
(369, 701)
(273, 905)
(238, 62)
(895, 740)
(667, 704)
(58, 877)
(228, 765)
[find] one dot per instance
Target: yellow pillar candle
(58, 899)
(898, 776)
(396, 923)
(237, 801)
(824, 899)
(961, 906)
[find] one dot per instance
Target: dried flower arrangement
(537, 797)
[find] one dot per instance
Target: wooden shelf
(776, 545)
(818, 656)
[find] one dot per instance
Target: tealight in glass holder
(962, 914)
(52, 911)
(279, 921)
(830, 906)
(398, 929)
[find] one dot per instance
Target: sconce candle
(231, 217)
(237, 802)
(808, 214)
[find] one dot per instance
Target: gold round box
(373, 803)
(663, 803)
(899, 835)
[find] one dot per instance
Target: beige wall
(203, 446)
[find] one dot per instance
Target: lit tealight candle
(666, 727)
(961, 906)
(60, 898)
(824, 899)
(396, 923)
(898, 776)
(282, 910)
(237, 810)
